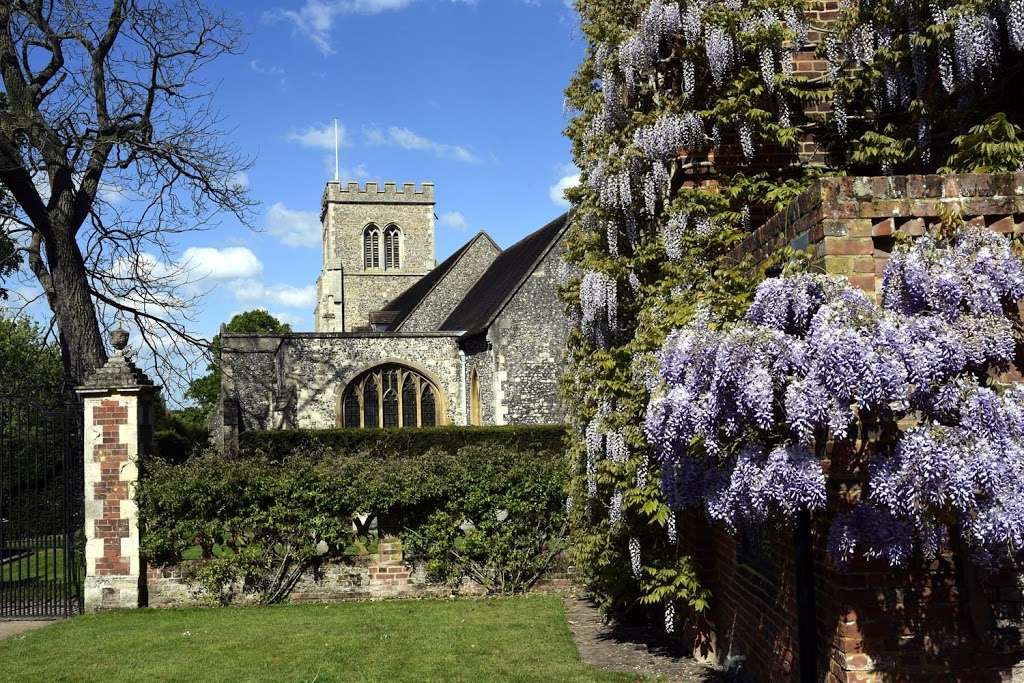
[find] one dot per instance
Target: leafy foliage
(23, 345)
(260, 521)
(381, 443)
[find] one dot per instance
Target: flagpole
(337, 174)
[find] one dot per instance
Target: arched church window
(474, 398)
(371, 247)
(391, 395)
(392, 247)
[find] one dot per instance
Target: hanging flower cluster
(814, 358)
(917, 67)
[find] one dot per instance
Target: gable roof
(402, 306)
(488, 297)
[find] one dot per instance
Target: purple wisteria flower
(742, 409)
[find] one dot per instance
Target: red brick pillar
(118, 427)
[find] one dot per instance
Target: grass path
(519, 639)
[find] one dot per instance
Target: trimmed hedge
(405, 442)
(262, 521)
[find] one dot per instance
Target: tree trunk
(81, 345)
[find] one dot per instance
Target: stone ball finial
(119, 339)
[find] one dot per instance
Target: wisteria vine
(815, 360)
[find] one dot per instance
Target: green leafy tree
(206, 389)
(29, 363)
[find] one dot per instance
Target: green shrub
(383, 442)
(259, 521)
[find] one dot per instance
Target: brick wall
(940, 620)
(111, 453)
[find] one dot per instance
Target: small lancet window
(392, 248)
(371, 247)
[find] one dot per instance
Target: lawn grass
(514, 639)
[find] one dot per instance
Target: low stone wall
(369, 577)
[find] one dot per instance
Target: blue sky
(468, 95)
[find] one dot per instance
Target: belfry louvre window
(371, 247)
(392, 247)
(391, 396)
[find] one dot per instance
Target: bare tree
(109, 148)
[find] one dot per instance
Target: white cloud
(396, 136)
(315, 18)
(454, 220)
(569, 179)
(294, 228)
(271, 70)
(240, 180)
(230, 263)
(319, 136)
(296, 320)
(282, 295)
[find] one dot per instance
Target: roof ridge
(564, 219)
(457, 255)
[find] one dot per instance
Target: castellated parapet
(374, 193)
(355, 280)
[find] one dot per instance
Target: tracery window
(371, 247)
(392, 248)
(391, 396)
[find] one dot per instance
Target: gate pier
(118, 430)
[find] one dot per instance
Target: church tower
(377, 243)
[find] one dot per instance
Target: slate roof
(486, 299)
(395, 312)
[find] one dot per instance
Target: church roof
(486, 299)
(402, 306)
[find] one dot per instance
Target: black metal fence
(41, 508)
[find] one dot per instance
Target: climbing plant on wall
(693, 121)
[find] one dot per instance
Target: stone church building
(401, 341)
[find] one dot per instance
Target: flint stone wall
(294, 381)
(446, 295)
(528, 340)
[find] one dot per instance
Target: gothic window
(392, 247)
(474, 399)
(391, 396)
(371, 247)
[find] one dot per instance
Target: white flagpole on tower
(337, 174)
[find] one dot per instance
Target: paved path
(11, 628)
(638, 651)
